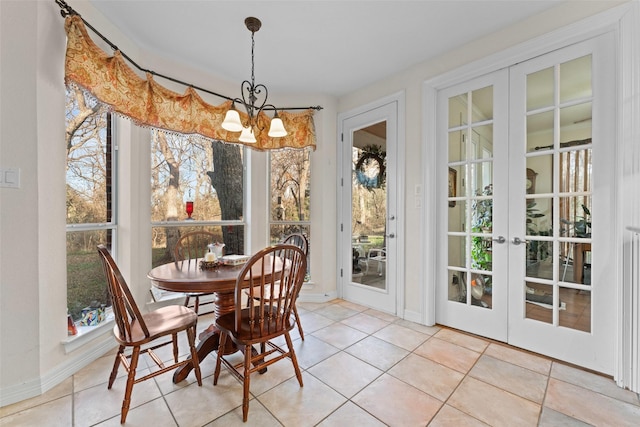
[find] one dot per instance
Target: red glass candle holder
(189, 209)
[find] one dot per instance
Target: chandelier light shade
(232, 121)
(277, 129)
(254, 99)
(247, 135)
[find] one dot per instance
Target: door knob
(517, 241)
(499, 239)
(391, 236)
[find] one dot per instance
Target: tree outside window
(290, 196)
(90, 195)
(210, 175)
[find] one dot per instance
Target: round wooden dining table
(187, 276)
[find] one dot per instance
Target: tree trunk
(172, 198)
(227, 181)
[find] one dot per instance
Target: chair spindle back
(270, 316)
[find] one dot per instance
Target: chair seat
(227, 323)
(160, 322)
(267, 293)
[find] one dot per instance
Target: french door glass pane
(539, 300)
(482, 109)
(540, 89)
(457, 212)
(369, 205)
(540, 131)
(539, 174)
(575, 79)
(456, 146)
(575, 125)
(578, 312)
(457, 110)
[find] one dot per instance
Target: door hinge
(341, 182)
(342, 137)
(341, 228)
(340, 272)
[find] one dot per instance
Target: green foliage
(482, 222)
(537, 250)
(581, 226)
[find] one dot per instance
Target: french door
(368, 207)
(528, 164)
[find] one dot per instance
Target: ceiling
(330, 47)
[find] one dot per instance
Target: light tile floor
(360, 367)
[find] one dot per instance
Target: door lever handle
(391, 236)
(517, 241)
(499, 239)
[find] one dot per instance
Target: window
(91, 218)
(289, 193)
(196, 184)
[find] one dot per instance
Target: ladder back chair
(189, 247)
(299, 240)
(134, 329)
(266, 319)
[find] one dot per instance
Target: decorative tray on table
(234, 259)
(209, 265)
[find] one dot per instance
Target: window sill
(88, 333)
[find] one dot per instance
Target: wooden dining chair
(190, 247)
(266, 319)
(134, 329)
(299, 240)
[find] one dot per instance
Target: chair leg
(116, 364)
(131, 378)
(221, 349)
(174, 338)
(191, 335)
(196, 304)
(293, 357)
(295, 312)
(247, 380)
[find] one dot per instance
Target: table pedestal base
(210, 337)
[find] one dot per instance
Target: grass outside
(86, 283)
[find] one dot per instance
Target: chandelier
(253, 101)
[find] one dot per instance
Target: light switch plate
(10, 177)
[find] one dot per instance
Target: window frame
(111, 226)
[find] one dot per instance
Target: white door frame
(623, 20)
(343, 238)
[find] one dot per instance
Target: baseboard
(57, 374)
(413, 316)
(317, 297)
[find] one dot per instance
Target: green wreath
(371, 153)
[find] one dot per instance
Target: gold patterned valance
(146, 102)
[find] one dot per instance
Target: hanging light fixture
(253, 101)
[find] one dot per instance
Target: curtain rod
(66, 10)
